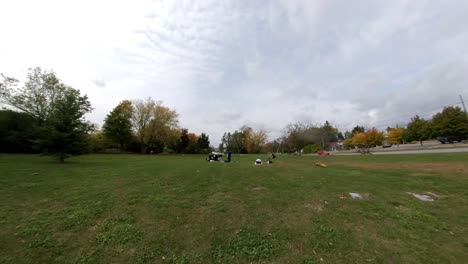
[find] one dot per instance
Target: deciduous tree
(38, 95)
(17, 132)
(452, 121)
(257, 141)
(65, 130)
(192, 147)
(236, 142)
(203, 143)
(183, 141)
(364, 141)
(358, 129)
(96, 141)
(58, 111)
(418, 129)
(163, 125)
(118, 124)
(395, 135)
(143, 111)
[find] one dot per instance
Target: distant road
(422, 151)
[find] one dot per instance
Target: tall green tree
(358, 129)
(348, 134)
(225, 140)
(221, 147)
(183, 142)
(298, 135)
(328, 134)
(57, 109)
(17, 132)
(203, 143)
(65, 131)
(452, 121)
(237, 142)
(340, 136)
(418, 129)
(118, 125)
(96, 141)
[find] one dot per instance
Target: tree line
(51, 120)
(47, 116)
(147, 126)
(301, 137)
(297, 137)
(450, 122)
(245, 140)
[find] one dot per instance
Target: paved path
(422, 151)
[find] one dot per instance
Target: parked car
(449, 139)
(386, 144)
(323, 153)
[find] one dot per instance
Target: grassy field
(182, 209)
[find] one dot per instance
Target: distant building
(336, 146)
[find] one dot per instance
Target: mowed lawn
(182, 209)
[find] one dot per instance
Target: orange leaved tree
(364, 141)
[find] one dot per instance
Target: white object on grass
(422, 197)
(355, 195)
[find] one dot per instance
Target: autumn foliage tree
(254, 141)
(395, 135)
(142, 114)
(154, 124)
(364, 141)
(244, 140)
(191, 143)
(192, 147)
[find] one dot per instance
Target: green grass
(182, 209)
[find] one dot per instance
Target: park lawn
(182, 209)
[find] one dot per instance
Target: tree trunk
(62, 157)
(143, 147)
(420, 141)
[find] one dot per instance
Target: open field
(182, 209)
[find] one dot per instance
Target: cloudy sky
(224, 64)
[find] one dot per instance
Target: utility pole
(463, 103)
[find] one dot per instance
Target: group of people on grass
(216, 156)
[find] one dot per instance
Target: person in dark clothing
(228, 157)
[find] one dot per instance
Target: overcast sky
(224, 64)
